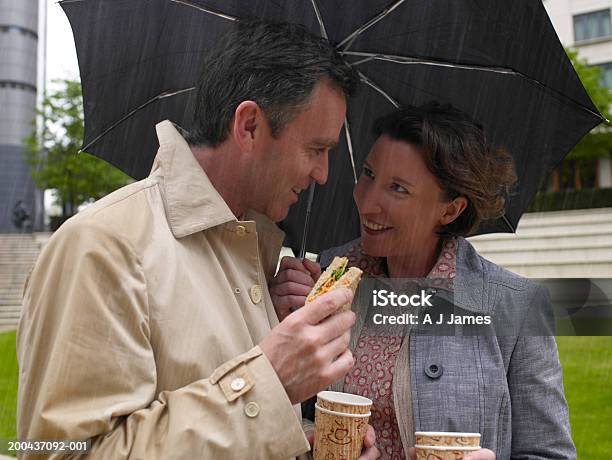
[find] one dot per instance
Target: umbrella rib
(350, 147)
(351, 37)
(377, 88)
(508, 223)
(410, 60)
(205, 10)
(320, 19)
(163, 95)
(502, 70)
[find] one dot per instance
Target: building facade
(585, 26)
(18, 94)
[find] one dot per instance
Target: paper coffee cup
(338, 436)
(346, 403)
(446, 438)
(442, 452)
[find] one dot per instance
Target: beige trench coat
(141, 321)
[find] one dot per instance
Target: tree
(54, 157)
(597, 143)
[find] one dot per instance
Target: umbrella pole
(311, 191)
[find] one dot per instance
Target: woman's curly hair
(456, 151)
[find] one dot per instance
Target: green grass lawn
(9, 375)
(587, 375)
(587, 370)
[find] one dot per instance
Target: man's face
(288, 164)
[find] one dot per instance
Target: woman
(429, 181)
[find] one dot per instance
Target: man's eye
(400, 189)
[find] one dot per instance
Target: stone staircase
(563, 244)
(18, 252)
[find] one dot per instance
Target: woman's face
(400, 202)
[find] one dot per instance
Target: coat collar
(471, 285)
(192, 204)
(472, 289)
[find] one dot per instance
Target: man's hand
(369, 452)
(292, 284)
(482, 454)
(309, 349)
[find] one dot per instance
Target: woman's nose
(367, 198)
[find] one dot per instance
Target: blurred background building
(567, 233)
(19, 77)
(585, 26)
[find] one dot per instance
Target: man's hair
(274, 64)
(456, 152)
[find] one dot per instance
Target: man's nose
(321, 169)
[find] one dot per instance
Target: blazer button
(434, 371)
(255, 293)
(240, 230)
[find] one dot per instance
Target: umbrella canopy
(499, 61)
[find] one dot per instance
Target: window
(592, 25)
(606, 75)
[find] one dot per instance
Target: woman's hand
(292, 284)
(482, 454)
(369, 452)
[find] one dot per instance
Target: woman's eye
(367, 172)
(398, 188)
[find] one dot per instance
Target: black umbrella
(498, 60)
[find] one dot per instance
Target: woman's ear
(453, 209)
(247, 120)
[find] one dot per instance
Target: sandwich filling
(335, 276)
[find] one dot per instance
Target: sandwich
(337, 275)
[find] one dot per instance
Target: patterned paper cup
(338, 436)
(442, 452)
(346, 403)
(446, 438)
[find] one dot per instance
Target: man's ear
(453, 210)
(247, 122)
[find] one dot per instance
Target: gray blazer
(507, 387)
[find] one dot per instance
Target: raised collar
(192, 204)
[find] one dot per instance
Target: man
(20, 216)
(147, 324)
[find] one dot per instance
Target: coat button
(434, 371)
(255, 293)
(240, 230)
(251, 409)
(237, 384)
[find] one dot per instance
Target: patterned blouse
(375, 354)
